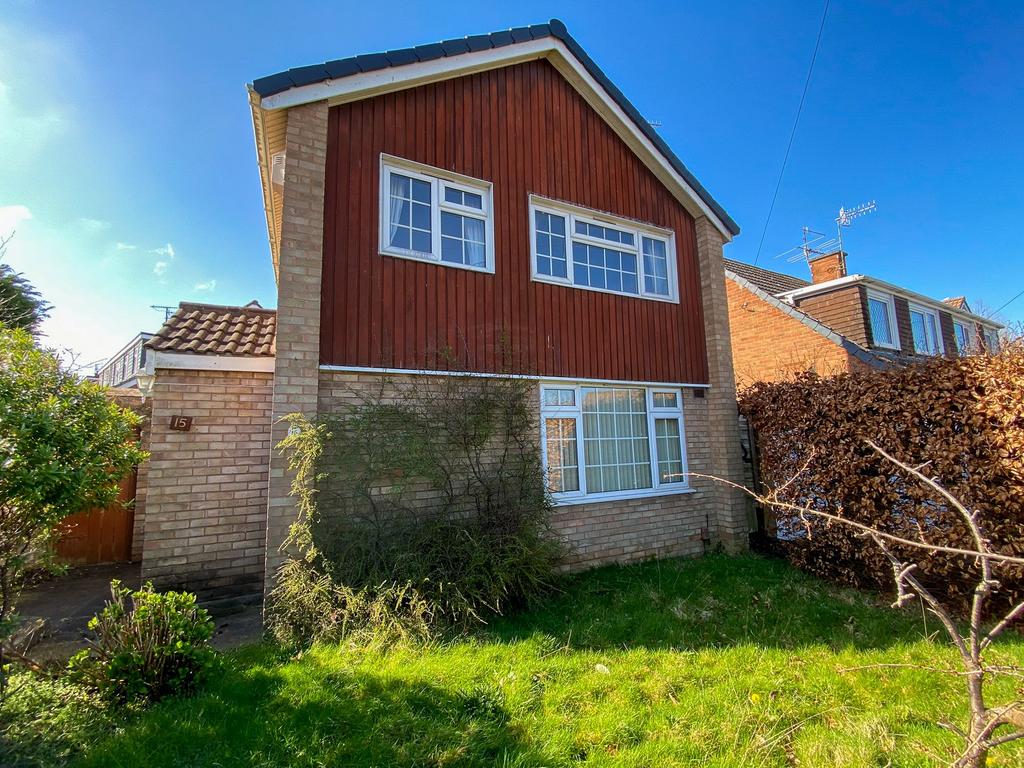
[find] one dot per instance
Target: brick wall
(597, 532)
(730, 515)
(206, 495)
(770, 345)
(845, 311)
(298, 306)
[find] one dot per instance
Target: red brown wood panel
(526, 130)
(100, 535)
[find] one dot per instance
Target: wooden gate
(100, 535)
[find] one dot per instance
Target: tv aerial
(814, 244)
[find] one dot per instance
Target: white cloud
(164, 250)
(209, 285)
(92, 226)
(124, 247)
(11, 216)
(160, 268)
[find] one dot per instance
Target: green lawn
(714, 662)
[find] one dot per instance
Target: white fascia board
(179, 361)
(881, 285)
(368, 84)
(486, 375)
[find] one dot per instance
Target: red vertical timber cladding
(526, 130)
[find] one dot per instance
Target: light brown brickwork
(730, 520)
(606, 531)
(298, 305)
(770, 345)
(206, 488)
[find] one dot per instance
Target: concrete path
(67, 603)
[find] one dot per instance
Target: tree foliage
(64, 447)
(962, 419)
(21, 305)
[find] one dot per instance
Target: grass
(714, 662)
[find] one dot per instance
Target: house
(497, 196)
(474, 207)
(838, 321)
(121, 368)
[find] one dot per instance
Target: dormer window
(882, 314)
(965, 337)
(924, 324)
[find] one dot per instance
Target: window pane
(655, 267)
(615, 446)
(962, 339)
(550, 242)
(563, 468)
(881, 328)
(453, 195)
(666, 400)
(670, 453)
(603, 268)
(409, 214)
(463, 240)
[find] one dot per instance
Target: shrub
(426, 496)
(148, 645)
(63, 447)
(307, 605)
(962, 419)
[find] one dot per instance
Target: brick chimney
(831, 266)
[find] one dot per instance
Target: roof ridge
(341, 68)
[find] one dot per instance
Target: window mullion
(580, 437)
(435, 220)
(652, 441)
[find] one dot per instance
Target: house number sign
(181, 423)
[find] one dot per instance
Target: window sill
(435, 262)
(569, 501)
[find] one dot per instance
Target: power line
(792, 134)
(1009, 302)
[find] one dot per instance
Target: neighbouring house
(452, 209)
(782, 325)
(121, 369)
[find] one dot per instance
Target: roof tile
(209, 329)
(768, 281)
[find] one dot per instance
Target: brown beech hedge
(962, 417)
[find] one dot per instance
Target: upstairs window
(432, 215)
(882, 314)
(927, 334)
(586, 249)
(965, 336)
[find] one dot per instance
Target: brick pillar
(296, 370)
(731, 526)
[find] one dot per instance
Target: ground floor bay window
(612, 442)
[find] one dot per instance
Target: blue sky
(127, 164)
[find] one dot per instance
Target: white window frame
(575, 411)
(639, 230)
(970, 336)
(894, 331)
(438, 179)
(923, 310)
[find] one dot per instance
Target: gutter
(874, 282)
